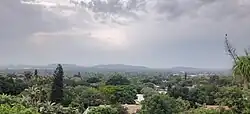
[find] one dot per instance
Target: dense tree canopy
(11, 86)
(103, 110)
(163, 104)
(118, 79)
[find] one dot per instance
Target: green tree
(120, 109)
(148, 92)
(119, 94)
(93, 80)
(118, 79)
(234, 97)
(163, 104)
(124, 95)
(103, 110)
(37, 94)
(178, 91)
(35, 73)
(89, 97)
(185, 76)
(82, 97)
(57, 86)
(11, 86)
(149, 84)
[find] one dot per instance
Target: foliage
(83, 97)
(201, 94)
(40, 81)
(103, 110)
(236, 98)
(93, 80)
(57, 87)
(149, 84)
(11, 86)
(37, 94)
(178, 91)
(16, 109)
(52, 108)
(155, 80)
(241, 70)
(147, 92)
(8, 99)
(120, 109)
(163, 104)
(120, 94)
(241, 67)
(28, 75)
(118, 79)
(208, 111)
(108, 92)
(41, 107)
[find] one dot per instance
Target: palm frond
(230, 49)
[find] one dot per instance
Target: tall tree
(35, 73)
(57, 87)
(185, 75)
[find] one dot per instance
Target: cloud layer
(157, 33)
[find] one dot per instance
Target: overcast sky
(153, 33)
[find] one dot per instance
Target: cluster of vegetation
(99, 94)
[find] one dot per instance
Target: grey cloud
(19, 20)
(214, 9)
(155, 43)
(166, 9)
(114, 9)
(113, 6)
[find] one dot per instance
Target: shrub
(16, 109)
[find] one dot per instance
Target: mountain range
(110, 67)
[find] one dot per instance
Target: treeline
(73, 95)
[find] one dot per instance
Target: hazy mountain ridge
(120, 66)
(111, 67)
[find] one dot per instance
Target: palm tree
(241, 67)
(241, 70)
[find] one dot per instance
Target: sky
(152, 33)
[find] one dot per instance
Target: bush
(208, 111)
(16, 109)
(103, 110)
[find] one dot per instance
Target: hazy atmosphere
(152, 33)
(125, 57)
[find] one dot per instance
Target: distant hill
(119, 66)
(186, 69)
(72, 68)
(198, 70)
